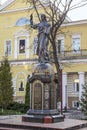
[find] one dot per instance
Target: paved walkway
(10, 119)
(74, 114)
(83, 129)
(17, 119)
(72, 118)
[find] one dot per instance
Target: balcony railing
(73, 54)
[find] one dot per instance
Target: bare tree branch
(56, 11)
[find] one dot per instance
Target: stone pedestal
(43, 116)
(43, 96)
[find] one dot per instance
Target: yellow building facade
(73, 57)
(17, 40)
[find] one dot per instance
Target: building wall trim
(74, 61)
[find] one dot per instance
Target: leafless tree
(56, 14)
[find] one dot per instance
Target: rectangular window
(75, 104)
(8, 47)
(21, 46)
(76, 87)
(60, 46)
(76, 44)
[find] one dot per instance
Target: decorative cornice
(22, 32)
(75, 61)
(8, 2)
(81, 73)
(15, 10)
(23, 62)
(74, 23)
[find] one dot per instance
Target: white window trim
(33, 46)
(61, 37)
(22, 33)
(5, 46)
(75, 88)
(76, 36)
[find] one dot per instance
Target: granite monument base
(43, 116)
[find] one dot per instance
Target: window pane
(75, 104)
(8, 47)
(76, 86)
(76, 45)
(22, 46)
(60, 46)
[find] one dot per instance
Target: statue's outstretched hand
(31, 19)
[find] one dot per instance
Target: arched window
(22, 22)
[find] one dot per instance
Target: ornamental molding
(16, 77)
(7, 3)
(79, 61)
(21, 32)
(23, 62)
(73, 23)
(15, 10)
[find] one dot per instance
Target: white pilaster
(30, 96)
(81, 82)
(27, 46)
(33, 96)
(64, 89)
(15, 48)
(14, 86)
(42, 97)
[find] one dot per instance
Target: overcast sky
(77, 14)
(2, 1)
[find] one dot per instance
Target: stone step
(3, 128)
(16, 123)
(83, 128)
(41, 126)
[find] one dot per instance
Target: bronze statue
(43, 32)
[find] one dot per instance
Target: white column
(15, 48)
(42, 97)
(14, 86)
(33, 96)
(64, 88)
(27, 47)
(81, 82)
(30, 96)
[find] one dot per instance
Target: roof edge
(8, 2)
(72, 23)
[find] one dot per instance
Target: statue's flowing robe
(43, 32)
